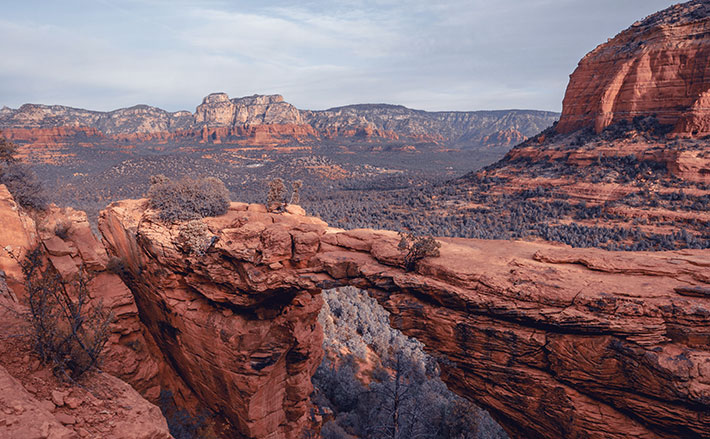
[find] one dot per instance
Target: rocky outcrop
(659, 66)
(56, 134)
(118, 413)
(218, 110)
(627, 149)
(553, 341)
(269, 120)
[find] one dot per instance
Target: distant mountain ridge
(270, 119)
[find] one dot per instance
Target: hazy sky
(427, 54)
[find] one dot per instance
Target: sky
(425, 54)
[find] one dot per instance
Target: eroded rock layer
(245, 347)
(554, 341)
(659, 66)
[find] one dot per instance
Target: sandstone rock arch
(553, 341)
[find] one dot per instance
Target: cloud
(451, 54)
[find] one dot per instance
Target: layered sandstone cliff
(260, 120)
(127, 354)
(553, 341)
(658, 66)
(629, 146)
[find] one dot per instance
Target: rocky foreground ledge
(553, 341)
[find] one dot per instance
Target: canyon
(554, 341)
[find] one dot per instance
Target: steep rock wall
(128, 352)
(659, 66)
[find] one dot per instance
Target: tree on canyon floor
(376, 383)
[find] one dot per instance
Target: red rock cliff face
(127, 355)
(555, 342)
(659, 66)
(243, 341)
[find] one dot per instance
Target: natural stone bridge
(554, 342)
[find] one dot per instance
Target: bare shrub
(195, 237)
(188, 199)
(296, 194)
(67, 331)
(276, 198)
(417, 248)
(61, 229)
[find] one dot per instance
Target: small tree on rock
(417, 248)
(67, 330)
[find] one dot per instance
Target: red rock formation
(247, 350)
(659, 66)
(555, 342)
(507, 137)
(57, 134)
(264, 121)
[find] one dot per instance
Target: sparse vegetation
(19, 179)
(475, 207)
(187, 198)
(195, 238)
(68, 331)
(417, 248)
(296, 194)
(276, 198)
(400, 395)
